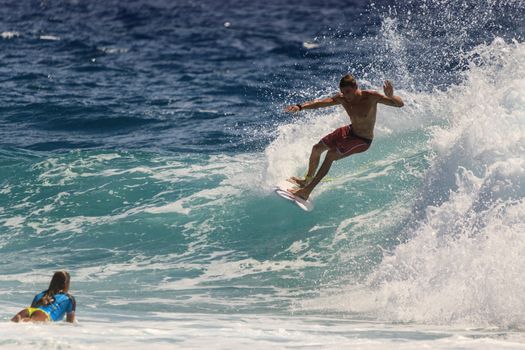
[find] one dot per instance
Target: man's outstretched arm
(325, 102)
(388, 98)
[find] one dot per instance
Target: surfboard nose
(305, 205)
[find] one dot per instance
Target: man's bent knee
(333, 155)
(319, 148)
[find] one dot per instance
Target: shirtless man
(361, 106)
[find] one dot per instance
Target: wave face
(140, 153)
(459, 258)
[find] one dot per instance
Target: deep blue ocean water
(140, 142)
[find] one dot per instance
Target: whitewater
(416, 243)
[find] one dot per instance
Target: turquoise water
(160, 221)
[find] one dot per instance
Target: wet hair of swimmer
(59, 284)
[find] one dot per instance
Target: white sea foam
(9, 35)
(463, 263)
(215, 197)
(310, 45)
(201, 331)
(49, 37)
(224, 268)
(14, 221)
(112, 50)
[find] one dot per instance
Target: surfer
(361, 107)
(51, 304)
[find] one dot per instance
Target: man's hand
(388, 98)
(388, 88)
(292, 109)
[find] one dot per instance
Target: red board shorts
(345, 142)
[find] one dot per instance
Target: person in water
(51, 304)
(361, 107)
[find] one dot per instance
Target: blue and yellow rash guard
(62, 304)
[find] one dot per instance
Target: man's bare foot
(301, 193)
(299, 182)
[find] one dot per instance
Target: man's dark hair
(348, 81)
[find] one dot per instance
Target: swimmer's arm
(388, 98)
(70, 311)
(325, 102)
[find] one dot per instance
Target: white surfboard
(305, 205)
